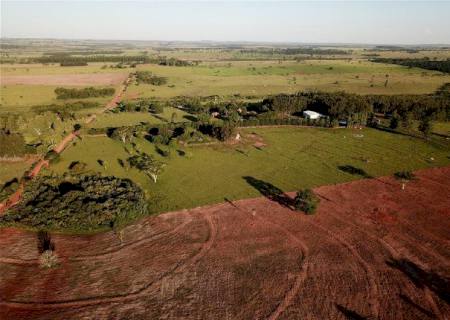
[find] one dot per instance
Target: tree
(425, 126)
(125, 134)
(225, 131)
(76, 127)
(146, 163)
(404, 176)
(407, 120)
(394, 121)
(306, 201)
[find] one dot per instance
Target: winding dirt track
(372, 251)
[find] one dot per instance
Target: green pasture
(294, 158)
(11, 170)
(260, 78)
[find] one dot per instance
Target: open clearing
(370, 251)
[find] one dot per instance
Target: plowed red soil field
(372, 251)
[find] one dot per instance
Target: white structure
(308, 114)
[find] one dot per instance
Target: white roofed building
(308, 114)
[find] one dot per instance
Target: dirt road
(372, 251)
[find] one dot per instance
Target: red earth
(371, 251)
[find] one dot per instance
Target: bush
(77, 166)
(48, 259)
(306, 201)
(52, 156)
(404, 175)
(224, 132)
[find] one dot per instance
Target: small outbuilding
(308, 114)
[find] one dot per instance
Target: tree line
(89, 92)
(149, 78)
(437, 65)
(69, 60)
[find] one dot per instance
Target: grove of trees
(76, 202)
(89, 92)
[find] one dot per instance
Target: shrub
(404, 175)
(52, 156)
(306, 201)
(48, 259)
(77, 166)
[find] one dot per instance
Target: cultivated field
(370, 252)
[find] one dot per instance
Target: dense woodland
(438, 65)
(77, 202)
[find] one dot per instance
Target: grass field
(260, 78)
(11, 170)
(293, 158)
(132, 118)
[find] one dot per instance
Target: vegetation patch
(13, 145)
(306, 201)
(77, 202)
(90, 92)
(149, 78)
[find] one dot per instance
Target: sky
(364, 22)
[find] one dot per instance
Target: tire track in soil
(132, 244)
(84, 302)
(291, 293)
(394, 254)
(371, 277)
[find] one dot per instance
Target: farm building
(308, 114)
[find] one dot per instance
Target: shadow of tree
(354, 171)
(190, 117)
(349, 314)
(270, 191)
(423, 278)
(415, 305)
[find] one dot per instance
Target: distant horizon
(319, 22)
(232, 41)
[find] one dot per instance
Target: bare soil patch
(93, 79)
(372, 251)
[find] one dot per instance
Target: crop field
(369, 253)
(291, 158)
